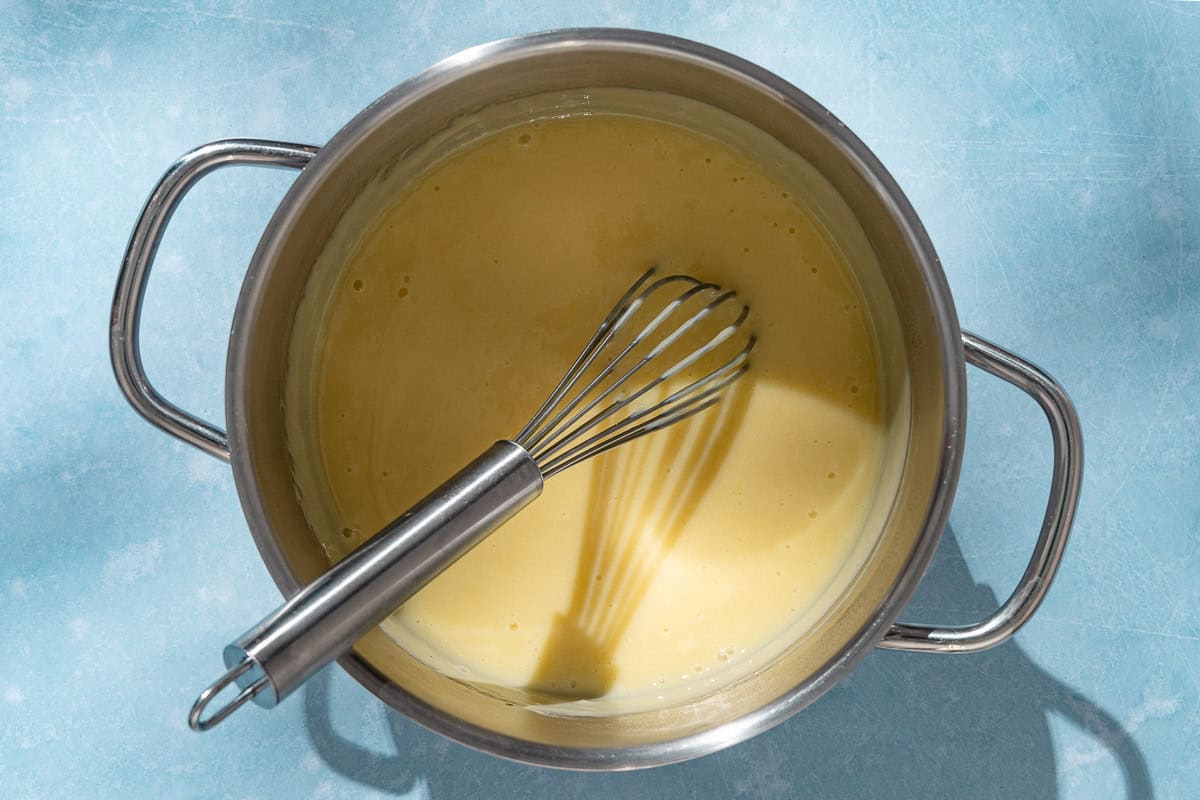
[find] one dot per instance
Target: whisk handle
(328, 616)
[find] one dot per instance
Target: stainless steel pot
(934, 347)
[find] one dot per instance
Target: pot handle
(1056, 525)
(124, 324)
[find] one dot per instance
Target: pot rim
(473, 59)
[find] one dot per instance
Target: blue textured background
(1053, 151)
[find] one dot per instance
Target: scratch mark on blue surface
(724, 777)
(195, 13)
(1043, 617)
(1175, 8)
(985, 229)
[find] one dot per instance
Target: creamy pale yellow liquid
(671, 562)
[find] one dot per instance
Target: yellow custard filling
(452, 303)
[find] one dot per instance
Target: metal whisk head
(608, 397)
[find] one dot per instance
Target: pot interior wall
(917, 337)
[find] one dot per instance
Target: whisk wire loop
(564, 430)
(712, 382)
(539, 428)
(603, 334)
(690, 400)
(557, 428)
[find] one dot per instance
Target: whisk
(611, 395)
